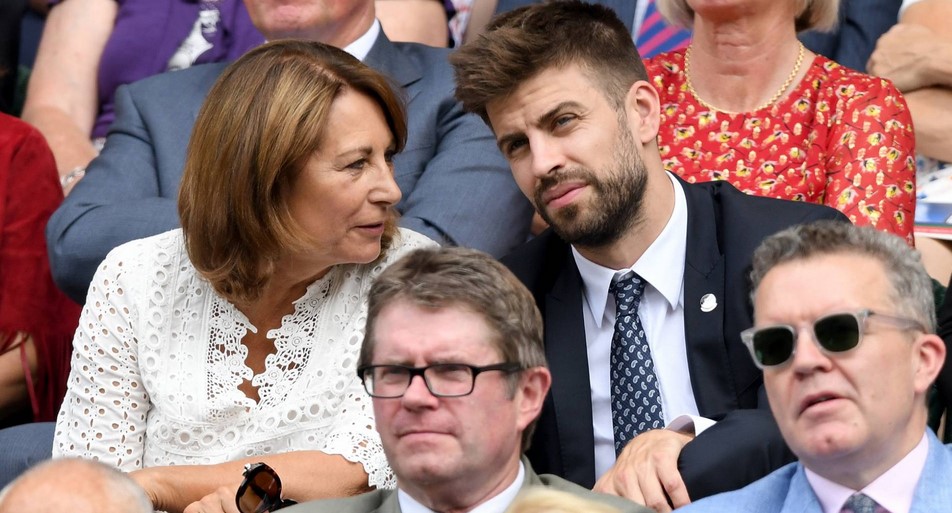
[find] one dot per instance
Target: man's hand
(221, 501)
(904, 54)
(647, 471)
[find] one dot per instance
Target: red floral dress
(841, 138)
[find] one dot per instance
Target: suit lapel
(384, 56)
(704, 327)
(570, 396)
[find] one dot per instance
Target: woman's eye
(357, 164)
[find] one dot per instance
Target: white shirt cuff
(690, 424)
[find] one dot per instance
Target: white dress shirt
(361, 47)
(662, 314)
(497, 504)
(894, 490)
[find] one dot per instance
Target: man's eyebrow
(554, 112)
(545, 119)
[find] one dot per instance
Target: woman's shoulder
(833, 80)
(406, 241)
(164, 243)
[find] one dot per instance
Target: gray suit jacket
(788, 491)
(457, 188)
(385, 501)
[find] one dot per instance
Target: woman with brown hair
(235, 338)
(747, 103)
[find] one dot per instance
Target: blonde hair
(540, 499)
(812, 15)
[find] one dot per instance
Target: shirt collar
(893, 490)
(361, 47)
(661, 265)
(496, 504)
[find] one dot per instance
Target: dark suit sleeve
(117, 201)
(742, 447)
(861, 22)
(466, 195)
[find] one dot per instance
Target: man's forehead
(543, 91)
(437, 332)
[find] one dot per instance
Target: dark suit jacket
(724, 228)
(457, 188)
(385, 501)
(624, 8)
(852, 41)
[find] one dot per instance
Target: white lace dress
(157, 361)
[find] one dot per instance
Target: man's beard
(616, 199)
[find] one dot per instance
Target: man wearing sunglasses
(454, 364)
(844, 333)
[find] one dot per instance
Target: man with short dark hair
(567, 96)
(845, 334)
(453, 360)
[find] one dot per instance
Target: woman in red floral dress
(747, 103)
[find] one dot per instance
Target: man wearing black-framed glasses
(845, 334)
(453, 361)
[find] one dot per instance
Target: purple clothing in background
(148, 32)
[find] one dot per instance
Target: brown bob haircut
(464, 278)
(262, 121)
(522, 43)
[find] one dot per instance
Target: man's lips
(563, 191)
(815, 399)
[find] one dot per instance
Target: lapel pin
(708, 303)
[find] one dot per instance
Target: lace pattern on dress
(159, 361)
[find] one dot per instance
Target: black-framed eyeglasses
(260, 490)
(775, 345)
(441, 379)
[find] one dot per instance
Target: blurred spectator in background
(415, 21)
(36, 319)
(74, 485)
(749, 104)
(916, 55)
(91, 47)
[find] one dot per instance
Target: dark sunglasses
(260, 490)
(835, 333)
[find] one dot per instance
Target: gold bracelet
(74, 175)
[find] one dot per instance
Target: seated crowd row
(244, 335)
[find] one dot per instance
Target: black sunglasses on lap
(775, 345)
(260, 490)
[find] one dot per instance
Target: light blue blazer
(787, 490)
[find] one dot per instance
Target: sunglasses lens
(260, 491)
(773, 346)
(838, 332)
